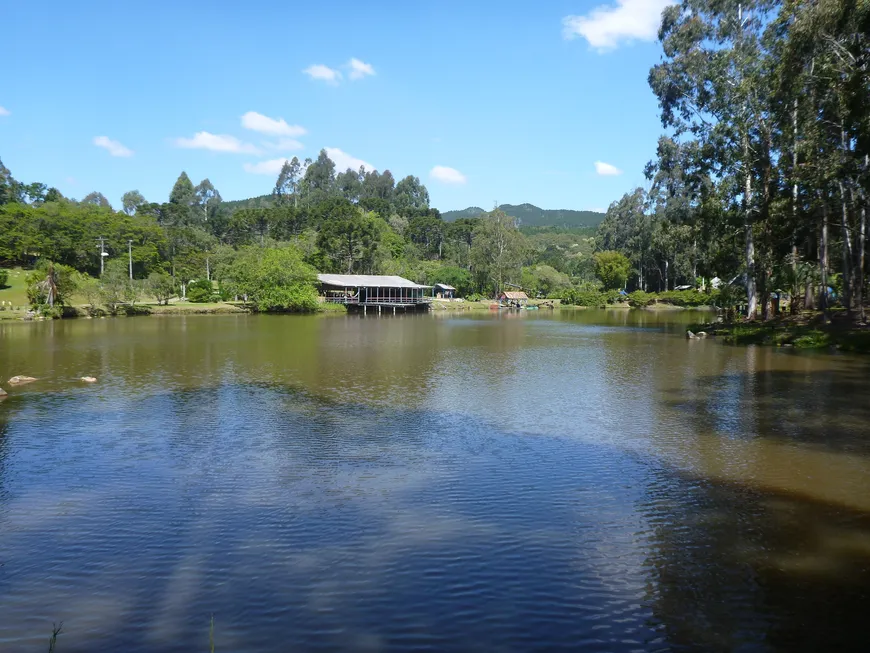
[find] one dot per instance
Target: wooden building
(513, 297)
(444, 291)
(375, 292)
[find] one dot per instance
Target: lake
(584, 481)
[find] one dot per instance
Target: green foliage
(50, 284)
(116, 287)
(347, 237)
(89, 288)
(453, 276)
(4, 277)
(611, 268)
(161, 286)
(273, 279)
(497, 249)
(200, 291)
(545, 280)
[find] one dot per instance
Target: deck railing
(386, 299)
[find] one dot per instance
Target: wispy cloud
(216, 143)
(359, 69)
(324, 73)
(343, 160)
(4, 111)
(271, 167)
(112, 147)
(272, 126)
(606, 169)
(608, 26)
(447, 175)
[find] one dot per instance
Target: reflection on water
(578, 481)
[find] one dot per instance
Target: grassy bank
(805, 331)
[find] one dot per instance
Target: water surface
(581, 481)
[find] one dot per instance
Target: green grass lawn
(14, 292)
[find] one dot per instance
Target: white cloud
(4, 111)
(112, 147)
(606, 170)
(271, 167)
(359, 69)
(343, 160)
(608, 26)
(216, 143)
(273, 126)
(284, 145)
(447, 175)
(319, 71)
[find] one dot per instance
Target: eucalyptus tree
(131, 201)
(287, 184)
(207, 199)
(497, 249)
(711, 85)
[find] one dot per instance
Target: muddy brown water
(584, 481)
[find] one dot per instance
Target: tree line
(315, 219)
(763, 175)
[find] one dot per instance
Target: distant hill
(530, 215)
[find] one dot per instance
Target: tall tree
(708, 86)
(347, 237)
(497, 249)
(208, 199)
(411, 195)
(131, 201)
(287, 185)
(97, 199)
(182, 193)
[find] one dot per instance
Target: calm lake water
(586, 481)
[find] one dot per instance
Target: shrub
(639, 298)
(4, 277)
(200, 291)
(161, 286)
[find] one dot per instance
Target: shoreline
(807, 331)
(231, 308)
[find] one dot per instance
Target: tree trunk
(846, 250)
(751, 297)
(823, 261)
(792, 307)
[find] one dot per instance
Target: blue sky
(509, 101)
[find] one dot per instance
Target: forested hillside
(529, 215)
(269, 247)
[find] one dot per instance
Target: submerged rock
(88, 379)
(20, 380)
(3, 393)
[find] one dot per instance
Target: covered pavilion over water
(378, 292)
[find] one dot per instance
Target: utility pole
(102, 254)
(130, 257)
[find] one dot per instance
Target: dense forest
(762, 176)
(315, 219)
